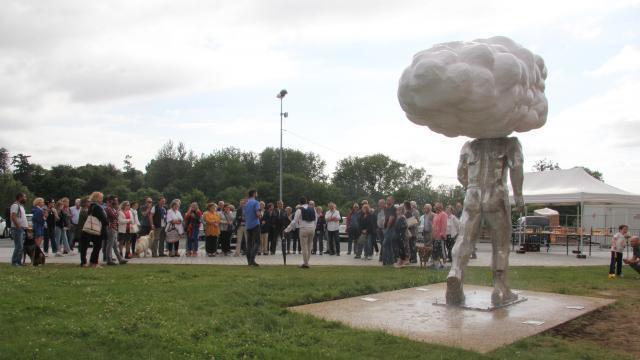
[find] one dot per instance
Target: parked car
(342, 229)
(4, 230)
(4, 226)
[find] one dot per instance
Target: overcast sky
(91, 81)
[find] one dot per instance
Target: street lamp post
(281, 96)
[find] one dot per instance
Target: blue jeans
(18, 239)
(192, 241)
(388, 256)
(61, 238)
(368, 249)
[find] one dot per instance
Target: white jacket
(123, 221)
(453, 226)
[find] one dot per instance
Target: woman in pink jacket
(439, 235)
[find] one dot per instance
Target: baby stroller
(32, 250)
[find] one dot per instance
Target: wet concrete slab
(411, 313)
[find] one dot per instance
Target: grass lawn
(231, 312)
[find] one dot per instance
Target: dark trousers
(96, 242)
(174, 246)
(134, 238)
(616, 260)
(334, 242)
(49, 236)
(211, 244)
(144, 230)
(253, 244)
(286, 243)
(412, 247)
(318, 237)
(295, 240)
(274, 234)
(225, 241)
(449, 244)
(353, 237)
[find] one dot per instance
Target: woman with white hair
(175, 228)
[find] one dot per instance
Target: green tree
(595, 173)
(232, 194)
(4, 161)
(171, 166)
(307, 165)
(9, 188)
(143, 193)
(224, 168)
(544, 165)
(375, 176)
(196, 196)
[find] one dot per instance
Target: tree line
(227, 174)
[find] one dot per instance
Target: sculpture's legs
(500, 225)
(462, 250)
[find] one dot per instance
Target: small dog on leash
(424, 252)
(143, 243)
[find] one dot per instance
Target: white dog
(143, 243)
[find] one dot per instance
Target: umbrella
(284, 250)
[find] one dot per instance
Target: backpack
(308, 214)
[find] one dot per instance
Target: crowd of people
(105, 224)
(391, 232)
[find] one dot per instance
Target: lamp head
(282, 94)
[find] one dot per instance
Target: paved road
(556, 257)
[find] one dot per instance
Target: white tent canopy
(545, 212)
(570, 187)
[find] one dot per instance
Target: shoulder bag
(92, 226)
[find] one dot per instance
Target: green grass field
(207, 312)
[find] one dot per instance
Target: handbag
(92, 226)
(173, 235)
(412, 221)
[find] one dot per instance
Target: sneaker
(122, 262)
(111, 263)
(59, 255)
(612, 276)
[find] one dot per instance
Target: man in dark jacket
(278, 218)
(158, 216)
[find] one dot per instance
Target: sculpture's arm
(463, 165)
(516, 172)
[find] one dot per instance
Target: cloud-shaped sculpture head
(486, 88)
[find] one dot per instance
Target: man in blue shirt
(251, 213)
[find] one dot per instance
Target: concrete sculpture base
(476, 303)
(410, 313)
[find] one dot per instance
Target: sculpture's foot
(509, 296)
(454, 294)
(496, 297)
